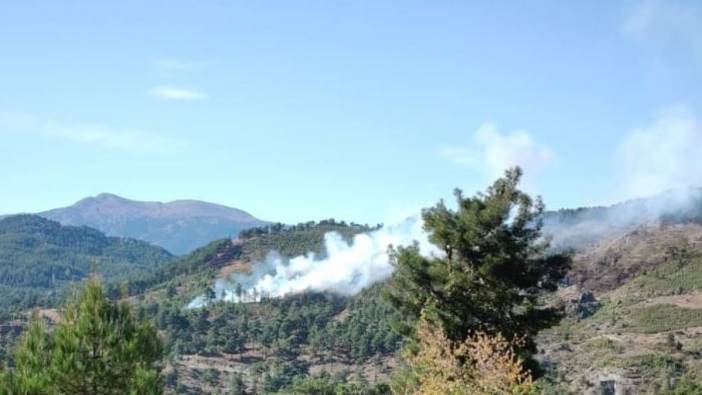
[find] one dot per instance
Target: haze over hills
(584, 226)
(178, 226)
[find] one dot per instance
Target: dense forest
(281, 338)
(40, 259)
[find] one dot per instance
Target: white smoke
(495, 151)
(346, 267)
(662, 155)
(579, 228)
(659, 175)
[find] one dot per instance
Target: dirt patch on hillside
(50, 314)
(191, 368)
(373, 372)
(228, 363)
(688, 301)
(235, 266)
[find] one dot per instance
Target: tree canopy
(98, 348)
(494, 267)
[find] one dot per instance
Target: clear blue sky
(358, 110)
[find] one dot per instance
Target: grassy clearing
(663, 318)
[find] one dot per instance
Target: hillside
(40, 258)
(633, 300)
(611, 263)
(634, 318)
(273, 344)
(626, 296)
(179, 226)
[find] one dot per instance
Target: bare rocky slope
(611, 263)
(179, 226)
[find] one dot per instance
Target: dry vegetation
(480, 365)
(646, 336)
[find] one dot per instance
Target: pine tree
(31, 358)
(493, 269)
(97, 348)
(236, 385)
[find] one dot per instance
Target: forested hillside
(273, 345)
(40, 258)
(617, 295)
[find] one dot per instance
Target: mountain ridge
(180, 226)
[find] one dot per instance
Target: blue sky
(363, 111)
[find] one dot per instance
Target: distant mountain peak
(107, 195)
(179, 226)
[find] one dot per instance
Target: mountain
(40, 258)
(179, 226)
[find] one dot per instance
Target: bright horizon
(361, 112)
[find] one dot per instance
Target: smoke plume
(665, 154)
(579, 228)
(345, 268)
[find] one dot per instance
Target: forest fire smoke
(346, 267)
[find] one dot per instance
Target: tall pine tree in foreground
(97, 348)
(494, 269)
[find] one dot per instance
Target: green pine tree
(97, 348)
(493, 269)
(236, 385)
